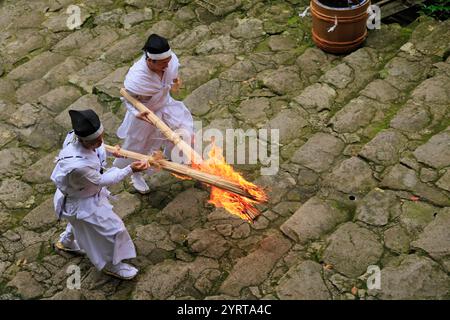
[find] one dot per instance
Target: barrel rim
(340, 9)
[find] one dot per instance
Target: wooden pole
(194, 157)
(184, 170)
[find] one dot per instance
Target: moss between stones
(436, 129)
(376, 127)
(45, 250)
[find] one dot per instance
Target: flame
(235, 204)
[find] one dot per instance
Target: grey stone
(60, 98)
(42, 216)
(412, 118)
(6, 135)
(435, 238)
(252, 110)
(431, 38)
(190, 38)
(312, 220)
(241, 71)
(71, 43)
(67, 294)
(36, 67)
(112, 17)
(377, 207)
(396, 239)
(120, 51)
(416, 216)
(206, 281)
(248, 28)
(201, 100)
(207, 243)
(111, 123)
(290, 123)
(185, 209)
(281, 43)
(15, 194)
(444, 181)
(87, 77)
(385, 148)
(136, 17)
(284, 80)
(165, 28)
(220, 8)
(352, 176)
(303, 282)
(433, 91)
(339, 76)
(104, 39)
(29, 92)
(59, 75)
(7, 90)
(317, 96)
(161, 280)
(12, 161)
(185, 14)
(436, 151)
(137, 3)
(112, 83)
(125, 204)
(178, 233)
(319, 152)
(351, 249)
(276, 185)
(402, 73)
(254, 268)
(415, 278)
(242, 231)
(403, 178)
(46, 134)
(25, 116)
(26, 286)
(261, 223)
(151, 237)
(196, 71)
(428, 175)
(358, 113)
(220, 44)
(381, 90)
(311, 64)
(286, 208)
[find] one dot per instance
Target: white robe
(82, 199)
(140, 136)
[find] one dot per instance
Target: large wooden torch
(182, 170)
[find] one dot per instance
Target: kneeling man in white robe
(81, 198)
(150, 80)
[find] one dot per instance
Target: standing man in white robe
(81, 198)
(150, 80)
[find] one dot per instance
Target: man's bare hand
(116, 152)
(157, 155)
(143, 116)
(139, 166)
(176, 85)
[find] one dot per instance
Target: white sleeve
(110, 177)
(131, 109)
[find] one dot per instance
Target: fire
(235, 204)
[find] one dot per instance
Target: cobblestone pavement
(364, 177)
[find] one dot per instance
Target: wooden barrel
(350, 31)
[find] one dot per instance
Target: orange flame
(235, 204)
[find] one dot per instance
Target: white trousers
(102, 236)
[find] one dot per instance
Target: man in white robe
(150, 80)
(81, 198)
